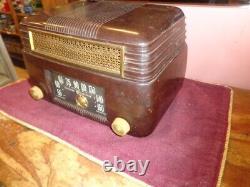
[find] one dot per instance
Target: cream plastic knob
(36, 93)
(120, 126)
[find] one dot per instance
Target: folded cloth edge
(224, 156)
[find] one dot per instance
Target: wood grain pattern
(237, 168)
(30, 159)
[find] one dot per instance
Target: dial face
(78, 94)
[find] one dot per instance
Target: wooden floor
(31, 159)
(236, 173)
(237, 168)
(21, 74)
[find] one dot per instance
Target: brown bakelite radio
(119, 63)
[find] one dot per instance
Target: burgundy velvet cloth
(185, 149)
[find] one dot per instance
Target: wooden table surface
(237, 168)
(31, 159)
(28, 158)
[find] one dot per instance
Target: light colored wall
(218, 39)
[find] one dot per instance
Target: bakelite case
(134, 54)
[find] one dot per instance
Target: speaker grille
(84, 53)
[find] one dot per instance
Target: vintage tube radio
(119, 63)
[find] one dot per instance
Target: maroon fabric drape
(185, 149)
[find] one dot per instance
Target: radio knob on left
(36, 93)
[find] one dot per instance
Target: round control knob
(36, 93)
(81, 101)
(120, 126)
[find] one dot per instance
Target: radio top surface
(129, 40)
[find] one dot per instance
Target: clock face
(83, 97)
